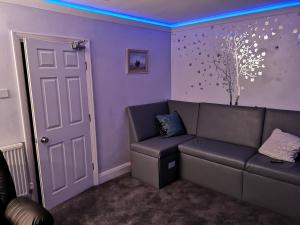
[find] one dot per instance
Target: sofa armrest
(23, 211)
(142, 120)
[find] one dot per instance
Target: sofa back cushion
(188, 112)
(285, 120)
(232, 124)
(142, 120)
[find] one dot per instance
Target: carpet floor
(126, 200)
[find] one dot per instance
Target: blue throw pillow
(170, 125)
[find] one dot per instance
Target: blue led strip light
(174, 25)
(108, 13)
(238, 13)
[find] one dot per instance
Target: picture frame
(136, 61)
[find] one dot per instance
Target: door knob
(44, 140)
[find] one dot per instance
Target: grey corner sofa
(219, 151)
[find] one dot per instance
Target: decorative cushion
(282, 146)
(170, 125)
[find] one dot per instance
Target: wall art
(137, 61)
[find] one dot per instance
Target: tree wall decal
(239, 57)
(198, 52)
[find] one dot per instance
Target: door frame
(17, 37)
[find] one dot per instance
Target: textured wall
(273, 47)
(113, 89)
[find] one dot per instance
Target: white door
(59, 101)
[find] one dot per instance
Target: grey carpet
(128, 201)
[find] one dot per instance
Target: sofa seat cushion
(216, 151)
(160, 146)
(285, 171)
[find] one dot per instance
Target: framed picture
(137, 61)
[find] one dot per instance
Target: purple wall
(274, 83)
(114, 90)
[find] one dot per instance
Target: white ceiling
(175, 11)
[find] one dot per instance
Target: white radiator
(17, 163)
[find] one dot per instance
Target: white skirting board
(114, 172)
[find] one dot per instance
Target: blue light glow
(175, 25)
(108, 13)
(238, 13)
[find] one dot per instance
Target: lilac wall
(113, 89)
(274, 83)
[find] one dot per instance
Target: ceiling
(175, 13)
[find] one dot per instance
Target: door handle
(44, 140)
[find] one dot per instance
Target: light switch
(4, 93)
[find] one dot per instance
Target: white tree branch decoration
(239, 58)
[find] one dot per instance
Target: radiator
(17, 163)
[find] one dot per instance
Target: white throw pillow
(281, 145)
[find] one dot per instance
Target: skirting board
(114, 172)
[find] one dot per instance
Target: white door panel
(58, 90)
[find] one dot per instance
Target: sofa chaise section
(155, 159)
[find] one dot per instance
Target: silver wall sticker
(233, 58)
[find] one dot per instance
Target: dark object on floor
(18, 211)
(128, 201)
(220, 151)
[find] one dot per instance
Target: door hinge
(86, 65)
(93, 166)
(90, 119)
